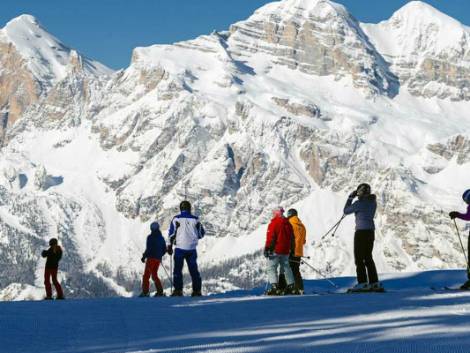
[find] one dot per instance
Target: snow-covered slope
(410, 318)
(294, 106)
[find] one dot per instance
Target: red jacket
(279, 236)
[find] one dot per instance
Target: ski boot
(60, 298)
(48, 298)
(144, 295)
(274, 290)
(465, 286)
(159, 294)
(196, 294)
(360, 288)
(377, 287)
(177, 293)
(289, 290)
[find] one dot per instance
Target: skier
(53, 255)
(465, 217)
(298, 250)
(364, 209)
(279, 239)
(152, 257)
(184, 233)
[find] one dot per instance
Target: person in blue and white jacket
(184, 233)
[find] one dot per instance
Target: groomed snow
(409, 318)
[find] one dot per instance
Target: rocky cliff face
(294, 106)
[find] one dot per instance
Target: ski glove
(169, 250)
(453, 215)
(44, 253)
(353, 194)
(142, 259)
(268, 253)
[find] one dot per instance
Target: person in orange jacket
(300, 238)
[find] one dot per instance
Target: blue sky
(108, 30)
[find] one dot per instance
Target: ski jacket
(280, 236)
(156, 246)
(53, 257)
(465, 216)
(364, 209)
(185, 231)
(299, 235)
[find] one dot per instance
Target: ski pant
(294, 263)
(281, 261)
(363, 246)
(151, 269)
(468, 254)
(190, 256)
(48, 274)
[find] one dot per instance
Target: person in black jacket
(53, 255)
(152, 257)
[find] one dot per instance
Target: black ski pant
(294, 263)
(365, 266)
(468, 255)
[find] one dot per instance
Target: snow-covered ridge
(47, 57)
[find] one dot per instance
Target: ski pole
(171, 270)
(333, 229)
(317, 271)
(167, 275)
(461, 244)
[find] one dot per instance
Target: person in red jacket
(53, 255)
(279, 241)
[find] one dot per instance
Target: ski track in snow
(409, 318)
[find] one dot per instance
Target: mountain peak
(25, 19)
(46, 56)
(303, 8)
(422, 12)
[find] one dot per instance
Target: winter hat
(291, 213)
(185, 206)
(154, 226)
(278, 212)
(53, 242)
(466, 196)
(363, 190)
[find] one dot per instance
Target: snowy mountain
(294, 106)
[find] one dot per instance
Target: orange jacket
(300, 235)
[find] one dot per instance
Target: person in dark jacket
(152, 257)
(465, 217)
(53, 255)
(364, 209)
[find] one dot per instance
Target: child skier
(279, 240)
(185, 232)
(465, 217)
(152, 257)
(364, 209)
(53, 255)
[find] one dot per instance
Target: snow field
(409, 318)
